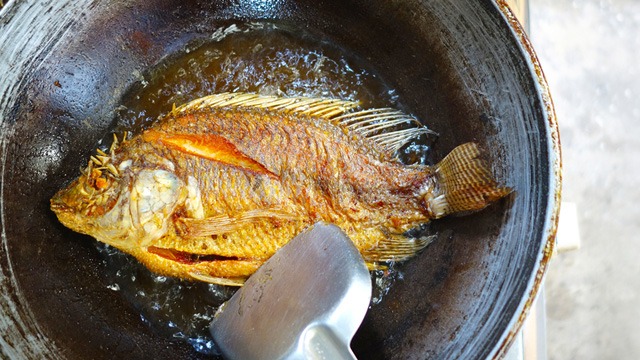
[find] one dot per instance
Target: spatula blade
(307, 301)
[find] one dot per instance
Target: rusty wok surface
(464, 67)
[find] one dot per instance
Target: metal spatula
(306, 302)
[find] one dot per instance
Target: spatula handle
(322, 343)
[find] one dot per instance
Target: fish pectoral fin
(209, 146)
(222, 224)
(396, 247)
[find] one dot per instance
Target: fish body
(220, 184)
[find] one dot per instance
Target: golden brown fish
(219, 184)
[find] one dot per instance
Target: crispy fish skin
(218, 185)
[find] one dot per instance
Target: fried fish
(219, 184)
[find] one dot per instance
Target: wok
(464, 67)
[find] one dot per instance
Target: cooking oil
(262, 58)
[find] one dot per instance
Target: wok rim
(555, 182)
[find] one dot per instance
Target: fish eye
(99, 174)
(96, 181)
(99, 182)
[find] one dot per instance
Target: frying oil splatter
(260, 58)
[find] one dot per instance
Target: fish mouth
(58, 206)
(67, 215)
(59, 203)
(184, 257)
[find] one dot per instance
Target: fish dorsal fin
(388, 129)
(316, 107)
(208, 146)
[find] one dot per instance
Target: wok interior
(454, 64)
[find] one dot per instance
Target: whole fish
(219, 184)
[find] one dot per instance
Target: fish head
(83, 204)
(129, 210)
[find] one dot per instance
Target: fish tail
(463, 183)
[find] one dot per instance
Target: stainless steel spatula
(306, 302)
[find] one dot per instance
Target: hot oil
(258, 58)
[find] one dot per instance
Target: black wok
(463, 66)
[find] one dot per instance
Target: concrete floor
(590, 52)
